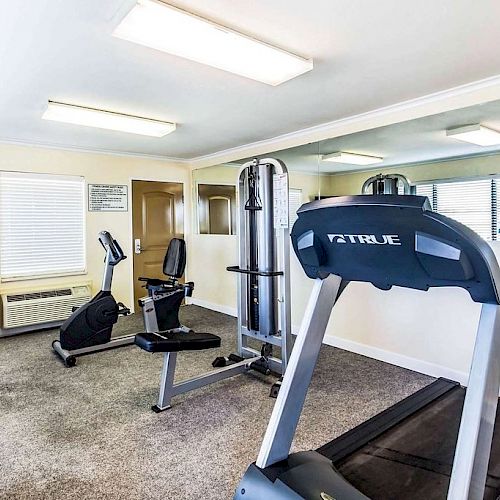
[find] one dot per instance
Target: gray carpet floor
(88, 432)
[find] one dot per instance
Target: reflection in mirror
(216, 209)
(323, 173)
(444, 157)
(392, 183)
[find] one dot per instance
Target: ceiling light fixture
(175, 31)
(90, 117)
(475, 134)
(352, 158)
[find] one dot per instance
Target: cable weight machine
(387, 184)
(264, 274)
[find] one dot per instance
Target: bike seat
(176, 341)
(156, 282)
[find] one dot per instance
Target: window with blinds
(473, 203)
(294, 203)
(42, 225)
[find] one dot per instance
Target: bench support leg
(166, 382)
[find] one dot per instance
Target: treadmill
(433, 444)
(407, 450)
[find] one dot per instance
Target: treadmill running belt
(413, 459)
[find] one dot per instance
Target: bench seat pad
(176, 341)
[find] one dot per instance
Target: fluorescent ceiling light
(89, 117)
(169, 29)
(352, 158)
(476, 134)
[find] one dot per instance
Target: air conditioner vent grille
(40, 313)
(15, 298)
(45, 294)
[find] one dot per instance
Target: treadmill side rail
(291, 397)
(472, 452)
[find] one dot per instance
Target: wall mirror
(453, 158)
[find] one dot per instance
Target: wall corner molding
(469, 94)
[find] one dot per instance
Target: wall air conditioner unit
(34, 310)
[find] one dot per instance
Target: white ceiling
(414, 141)
(367, 54)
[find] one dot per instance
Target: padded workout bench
(171, 343)
(176, 341)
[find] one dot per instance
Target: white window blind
(294, 203)
(473, 203)
(42, 225)
(427, 190)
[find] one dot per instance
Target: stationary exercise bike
(90, 326)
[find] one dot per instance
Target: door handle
(137, 246)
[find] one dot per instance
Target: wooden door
(216, 209)
(219, 215)
(157, 217)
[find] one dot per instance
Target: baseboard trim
(9, 332)
(393, 358)
(230, 311)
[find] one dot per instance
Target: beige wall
(99, 169)
(209, 255)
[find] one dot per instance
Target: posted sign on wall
(108, 198)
